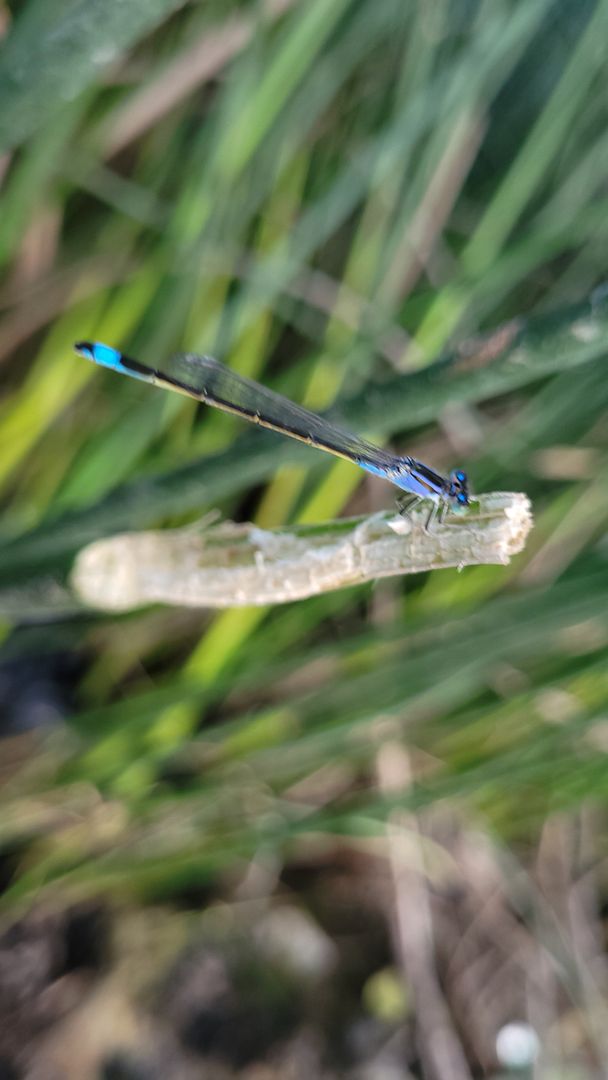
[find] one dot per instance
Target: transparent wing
(208, 380)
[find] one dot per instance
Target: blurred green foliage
(336, 197)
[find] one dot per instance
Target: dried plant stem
(229, 565)
(439, 1047)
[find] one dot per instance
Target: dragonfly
(208, 380)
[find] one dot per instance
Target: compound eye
(460, 476)
(461, 497)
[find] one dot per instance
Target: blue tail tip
(85, 348)
(101, 354)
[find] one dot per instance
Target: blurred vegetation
(343, 199)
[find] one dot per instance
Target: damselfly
(207, 380)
